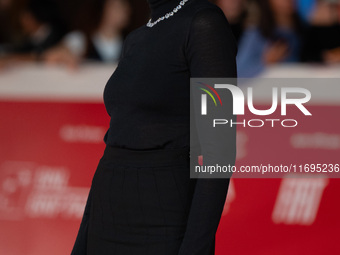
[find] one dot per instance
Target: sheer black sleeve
(211, 52)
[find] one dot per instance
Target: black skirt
(138, 203)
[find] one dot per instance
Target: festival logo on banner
(29, 190)
(298, 200)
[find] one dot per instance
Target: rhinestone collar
(167, 15)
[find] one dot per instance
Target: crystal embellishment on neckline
(168, 15)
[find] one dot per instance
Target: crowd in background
(71, 32)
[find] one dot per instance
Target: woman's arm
(211, 52)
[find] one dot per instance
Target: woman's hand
(331, 56)
(276, 52)
(61, 55)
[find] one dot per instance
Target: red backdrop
(49, 152)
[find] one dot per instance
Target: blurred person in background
(235, 11)
(305, 8)
(322, 38)
(41, 29)
(274, 39)
(97, 35)
(5, 7)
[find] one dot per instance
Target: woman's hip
(141, 196)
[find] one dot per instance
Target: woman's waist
(156, 157)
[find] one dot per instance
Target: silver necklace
(168, 15)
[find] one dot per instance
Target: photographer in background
(274, 39)
(322, 39)
(98, 37)
(41, 29)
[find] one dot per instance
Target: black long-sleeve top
(148, 97)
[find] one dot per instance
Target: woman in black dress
(142, 199)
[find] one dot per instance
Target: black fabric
(148, 100)
(27, 46)
(91, 51)
(317, 40)
(138, 203)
